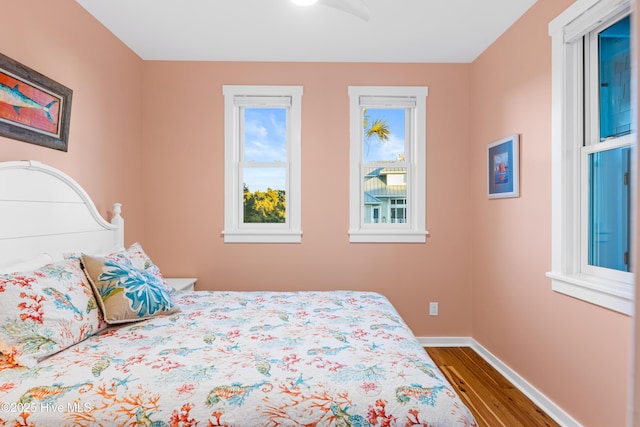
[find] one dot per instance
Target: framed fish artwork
(33, 108)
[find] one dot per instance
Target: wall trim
(546, 404)
(445, 341)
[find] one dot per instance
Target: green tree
(264, 206)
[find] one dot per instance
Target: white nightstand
(182, 283)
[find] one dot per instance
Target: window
(591, 148)
(398, 211)
(262, 164)
(387, 164)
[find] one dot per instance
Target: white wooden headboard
(43, 210)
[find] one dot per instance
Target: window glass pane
(265, 135)
(264, 195)
(614, 46)
(398, 211)
(609, 208)
(384, 138)
(385, 192)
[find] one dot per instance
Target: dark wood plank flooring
(492, 399)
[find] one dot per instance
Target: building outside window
(387, 164)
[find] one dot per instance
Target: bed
(73, 357)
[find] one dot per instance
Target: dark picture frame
(33, 108)
(503, 168)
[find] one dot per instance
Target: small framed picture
(503, 168)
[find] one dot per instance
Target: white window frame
(413, 231)
(235, 97)
(569, 274)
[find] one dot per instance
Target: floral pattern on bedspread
(242, 359)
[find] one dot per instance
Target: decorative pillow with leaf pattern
(46, 310)
(141, 260)
(125, 292)
(133, 253)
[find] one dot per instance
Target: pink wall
(575, 353)
(65, 43)
(150, 135)
(183, 145)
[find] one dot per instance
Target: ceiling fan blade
(355, 7)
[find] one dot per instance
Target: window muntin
(384, 164)
(383, 189)
(262, 164)
(589, 154)
(264, 203)
(388, 158)
(606, 205)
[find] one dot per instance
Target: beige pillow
(126, 293)
(134, 253)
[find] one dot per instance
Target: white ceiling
(277, 30)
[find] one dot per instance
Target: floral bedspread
(241, 359)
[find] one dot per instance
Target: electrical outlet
(433, 309)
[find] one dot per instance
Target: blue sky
(265, 141)
(374, 150)
(265, 134)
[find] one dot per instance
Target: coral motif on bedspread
(242, 359)
(45, 311)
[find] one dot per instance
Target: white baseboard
(445, 341)
(543, 402)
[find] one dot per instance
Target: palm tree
(379, 129)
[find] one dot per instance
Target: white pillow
(103, 253)
(26, 264)
(46, 310)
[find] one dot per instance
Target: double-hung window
(262, 164)
(387, 164)
(592, 141)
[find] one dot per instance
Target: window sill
(262, 237)
(388, 236)
(616, 296)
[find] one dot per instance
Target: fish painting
(18, 100)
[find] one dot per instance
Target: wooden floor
(492, 399)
